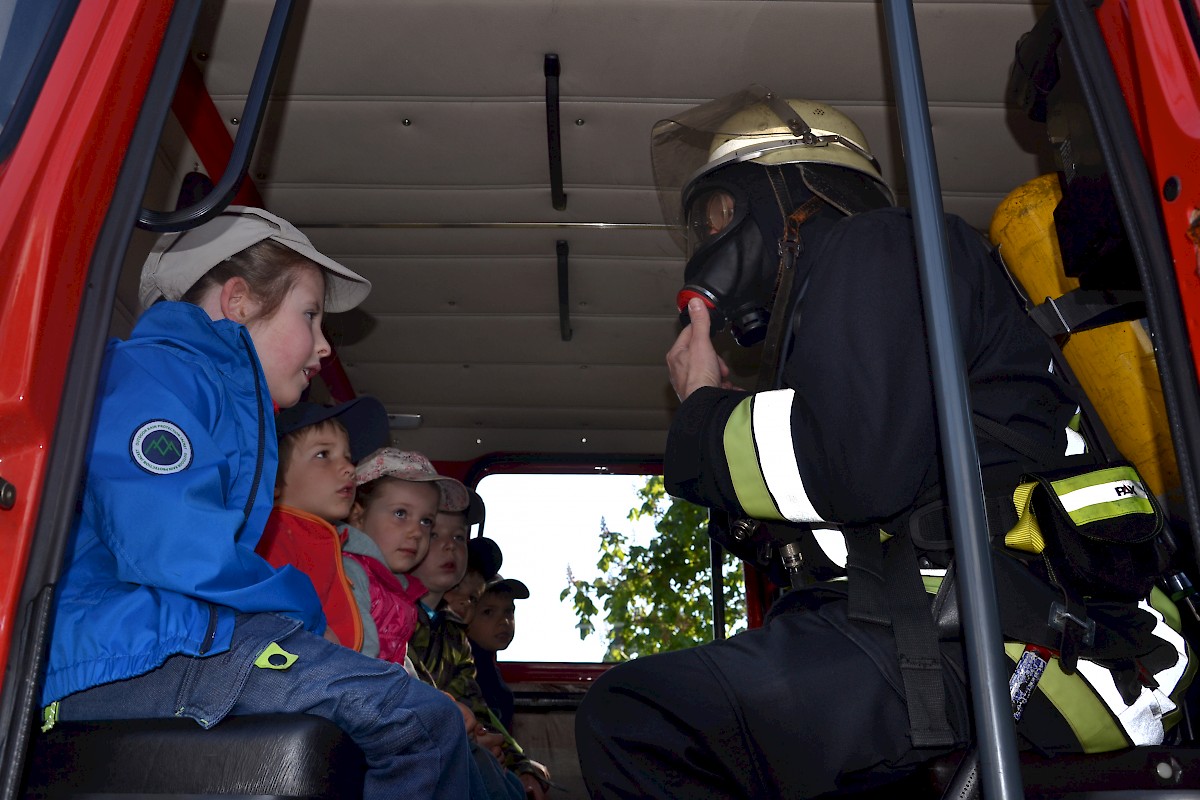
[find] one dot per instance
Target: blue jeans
(499, 783)
(411, 734)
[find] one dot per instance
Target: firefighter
(794, 241)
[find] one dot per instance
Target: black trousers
(810, 703)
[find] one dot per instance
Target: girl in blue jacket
(164, 609)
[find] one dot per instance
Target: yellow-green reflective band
(1026, 535)
(1091, 721)
(1103, 494)
(49, 716)
(275, 657)
(742, 458)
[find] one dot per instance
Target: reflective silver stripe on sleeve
(833, 543)
(772, 426)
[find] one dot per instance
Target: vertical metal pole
(964, 485)
(717, 556)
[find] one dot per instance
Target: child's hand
(536, 781)
(331, 636)
(489, 739)
(533, 787)
(468, 716)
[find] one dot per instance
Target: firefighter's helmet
(730, 172)
(755, 125)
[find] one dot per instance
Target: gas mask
(727, 268)
(735, 222)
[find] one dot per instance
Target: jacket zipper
(210, 635)
(262, 444)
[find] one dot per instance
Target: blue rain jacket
(180, 479)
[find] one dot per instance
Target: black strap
(917, 646)
(873, 566)
(1036, 452)
(867, 600)
(1085, 309)
(1081, 309)
(790, 246)
(929, 524)
(1096, 435)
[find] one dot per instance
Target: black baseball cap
(476, 511)
(484, 556)
(364, 418)
(508, 586)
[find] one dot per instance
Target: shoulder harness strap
(872, 565)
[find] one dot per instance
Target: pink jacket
(393, 606)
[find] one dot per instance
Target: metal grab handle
(223, 193)
(552, 69)
(981, 618)
(562, 251)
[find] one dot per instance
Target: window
(30, 34)
(549, 529)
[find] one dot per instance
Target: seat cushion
(278, 755)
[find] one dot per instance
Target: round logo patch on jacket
(161, 447)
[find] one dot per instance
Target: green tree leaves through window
(657, 597)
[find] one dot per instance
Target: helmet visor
(680, 146)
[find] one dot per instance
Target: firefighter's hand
(692, 360)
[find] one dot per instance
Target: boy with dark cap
(491, 629)
(314, 490)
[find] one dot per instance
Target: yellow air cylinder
(1115, 364)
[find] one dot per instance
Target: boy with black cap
(491, 629)
(314, 490)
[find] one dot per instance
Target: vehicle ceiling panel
(450, 215)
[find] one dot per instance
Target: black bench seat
(267, 756)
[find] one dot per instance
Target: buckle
(1060, 617)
